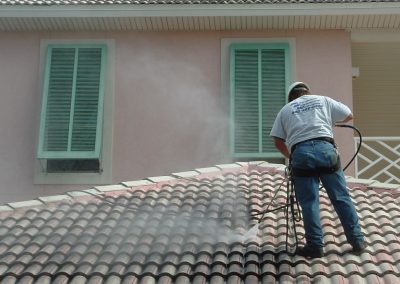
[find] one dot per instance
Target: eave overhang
(178, 17)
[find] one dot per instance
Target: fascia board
(187, 10)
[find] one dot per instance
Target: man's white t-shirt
(308, 117)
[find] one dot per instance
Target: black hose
(290, 201)
(359, 145)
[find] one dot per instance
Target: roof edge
(99, 192)
(199, 10)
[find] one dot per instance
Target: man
(303, 133)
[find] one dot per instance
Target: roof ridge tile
(186, 174)
(207, 170)
(381, 185)
(5, 208)
(229, 166)
(54, 198)
(25, 204)
(158, 179)
(112, 187)
(82, 193)
(136, 183)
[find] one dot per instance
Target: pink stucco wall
(169, 112)
(324, 61)
(19, 59)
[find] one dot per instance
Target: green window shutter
(258, 84)
(246, 101)
(273, 92)
(72, 109)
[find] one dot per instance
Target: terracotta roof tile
(188, 228)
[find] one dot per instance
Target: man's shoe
(359, 247)
(310, 251)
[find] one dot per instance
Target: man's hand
(281, 146)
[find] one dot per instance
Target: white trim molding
(187, 10)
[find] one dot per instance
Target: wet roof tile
(189, 228)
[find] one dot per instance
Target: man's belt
(318, 171)
(327, 139)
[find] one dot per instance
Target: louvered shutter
(72, 108)
(273, 92)
(246, 105)
(258, 82)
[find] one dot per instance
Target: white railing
(378, 159)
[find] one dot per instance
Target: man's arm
(347, 119)
(281, 146)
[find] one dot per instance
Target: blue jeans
(311, 155)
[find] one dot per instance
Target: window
(71, 123)
(258, 77)
(73, 166)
